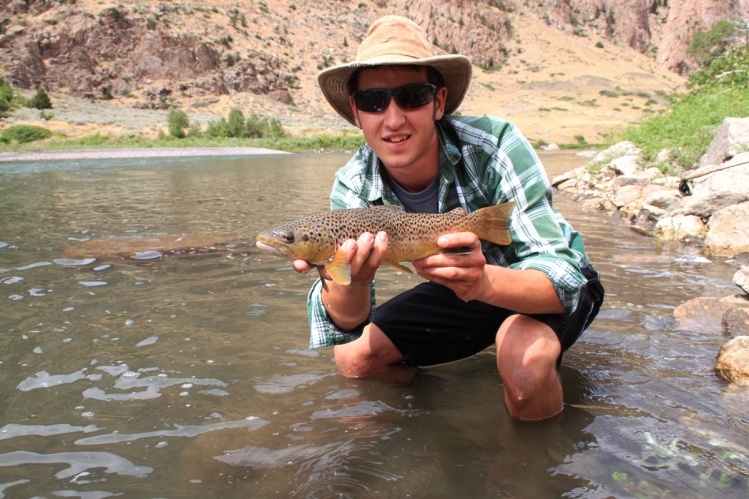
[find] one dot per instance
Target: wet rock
(736, 322)
(741, 279)
(729, 231)
(733, 361)
(732, 134)
(705, 314)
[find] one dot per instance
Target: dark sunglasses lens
(414, 96)
(376, 100)
(372, 100)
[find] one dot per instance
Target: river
(188, 374)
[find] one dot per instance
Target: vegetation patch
(688, 126)
(24, 133)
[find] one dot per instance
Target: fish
(317, 239)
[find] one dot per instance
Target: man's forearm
(525, 291)
(347, 306)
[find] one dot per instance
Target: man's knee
(527, 353)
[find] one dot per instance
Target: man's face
(401, 138)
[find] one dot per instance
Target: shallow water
(188, 374)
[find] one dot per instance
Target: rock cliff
(154, 55)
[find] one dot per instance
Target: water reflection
(188, 375)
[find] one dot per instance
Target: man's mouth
(400, 138)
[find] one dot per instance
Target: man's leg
(527, 353)
(370, 354)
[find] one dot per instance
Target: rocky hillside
(558, 68)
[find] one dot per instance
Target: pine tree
(40, 100)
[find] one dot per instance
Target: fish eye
(288, 237)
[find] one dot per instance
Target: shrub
(40, 100)
(6, 97)
(235, 124)
(25, 133)
(177, 121)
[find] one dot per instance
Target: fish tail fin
(493, 223)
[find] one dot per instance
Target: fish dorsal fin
(390, 207)
(458, 211)
(339, 268)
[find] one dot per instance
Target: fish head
(296, 241)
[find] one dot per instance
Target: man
(532, 298)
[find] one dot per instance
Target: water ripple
(77, 461)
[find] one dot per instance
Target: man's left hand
(464, 273)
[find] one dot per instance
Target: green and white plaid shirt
(484, 161)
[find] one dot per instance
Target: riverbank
(164, 152)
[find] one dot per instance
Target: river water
(188, 375)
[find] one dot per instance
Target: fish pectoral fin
(401, 267)
(339, 269)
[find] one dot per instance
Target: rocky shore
(707, 208)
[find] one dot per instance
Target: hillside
(557, 69)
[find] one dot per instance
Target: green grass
(689, 125)
(344, 142)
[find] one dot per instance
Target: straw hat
(395, 40)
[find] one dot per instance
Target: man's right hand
(364, 255)
(349, 306)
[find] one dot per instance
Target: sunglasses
(376, 100)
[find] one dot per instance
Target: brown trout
(317, 239)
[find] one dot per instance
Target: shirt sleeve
(540, 239)
(323, 332)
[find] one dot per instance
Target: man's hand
(464, 273)
(364, 255)
(349, 306)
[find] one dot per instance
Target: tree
(6, 97)
(40, 100)
(708, 45)
(235, 123)
(178, 121)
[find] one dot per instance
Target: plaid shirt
(483, 161)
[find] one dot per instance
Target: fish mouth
(273, 250)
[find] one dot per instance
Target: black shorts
(430, 325)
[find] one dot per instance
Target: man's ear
(439, 103)
(354, 111)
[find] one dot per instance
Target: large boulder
(721, 188)
(732, 135)
(728, 233)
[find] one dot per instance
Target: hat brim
(455, 69)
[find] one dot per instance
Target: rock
(736, 322)
(618, 150)
(626, 165)
(720, 188)
(732, 133)
(679, 227)
(705, 315)
(741, 278)
(728, 233)
(550, 147)
(666, 200)
(733, 361)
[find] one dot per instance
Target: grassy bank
(688, 126)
